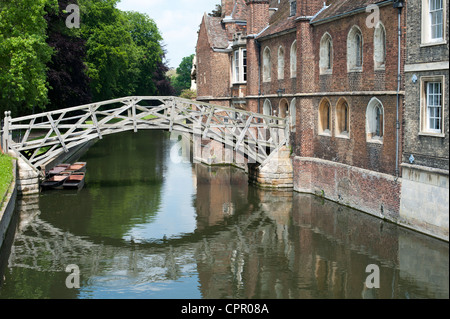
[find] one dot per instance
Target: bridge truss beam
(40, 137)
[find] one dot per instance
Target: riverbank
(6, 174)
(8, 192)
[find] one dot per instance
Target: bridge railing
(40, 137)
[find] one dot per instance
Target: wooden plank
(55, 129)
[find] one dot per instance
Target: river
(145, 226)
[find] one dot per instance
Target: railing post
(6, 132)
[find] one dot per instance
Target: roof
(280, 21)
(217, 34)
(239, 10)
(341, 7)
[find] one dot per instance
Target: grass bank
(6, 174)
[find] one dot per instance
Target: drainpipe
(258, 46)
(399, 5)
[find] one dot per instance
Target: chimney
(257, 15)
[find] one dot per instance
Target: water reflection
(192, 231)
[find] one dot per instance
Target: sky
(177, 20)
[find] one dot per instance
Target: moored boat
(77, 167)
(74, 181)
(57, 169)
(56, 181)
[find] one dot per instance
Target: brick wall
(375, 193)
(354, 87)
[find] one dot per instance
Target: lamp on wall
(280, 92)
(398, 3)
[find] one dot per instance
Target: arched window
(283, 108)
(375, 120)
(326, 54)
(379, 46)
(293, 114)
(354, 49)
(294, 59)
(280, 63)
(325, 117)
(342, 118)
(267, 108)
(267, 69)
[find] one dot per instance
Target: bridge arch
(38, 138)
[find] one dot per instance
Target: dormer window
(293, 8)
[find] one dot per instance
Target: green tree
(24, 54)
(182, 80)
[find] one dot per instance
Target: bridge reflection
(248, 243)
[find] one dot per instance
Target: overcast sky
(177, 20)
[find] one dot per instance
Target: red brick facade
(369, 92)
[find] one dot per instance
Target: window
(354, 49)
(293, 8)
(432, 105)
(294, 59)
(433, 21)
(244, 64)
(236, 66)
(324, 117)
(342, 119)
(280, 63)
(239, 64)
(379, 44)
(283, 107)
(267, 69)
(326, 54)
(267, 108)
(436, 19)
(375, 121)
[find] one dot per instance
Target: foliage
(6, 174)
(24, 54)
(217, 12)
(44, 63)
(188, 94)
(182, 81)
(123, 50)
(68, 81)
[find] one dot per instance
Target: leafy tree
(69, 83)
(217, 12)
(182, 80)
(24, 54)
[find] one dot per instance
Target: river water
(145, 226)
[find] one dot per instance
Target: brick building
(425, 185)
(333, 68)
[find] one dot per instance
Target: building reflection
(291, 245)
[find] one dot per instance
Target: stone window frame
(293, 59)
(342, 116)
(326, 53)
(267, 108)
(355, 53)
(281, 63)
(267, 65)
(426, 39)
(324, 117)
(379, 47)
(424, 115)
(293, 114)
(375, 121)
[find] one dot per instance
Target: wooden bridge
(40, 137)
